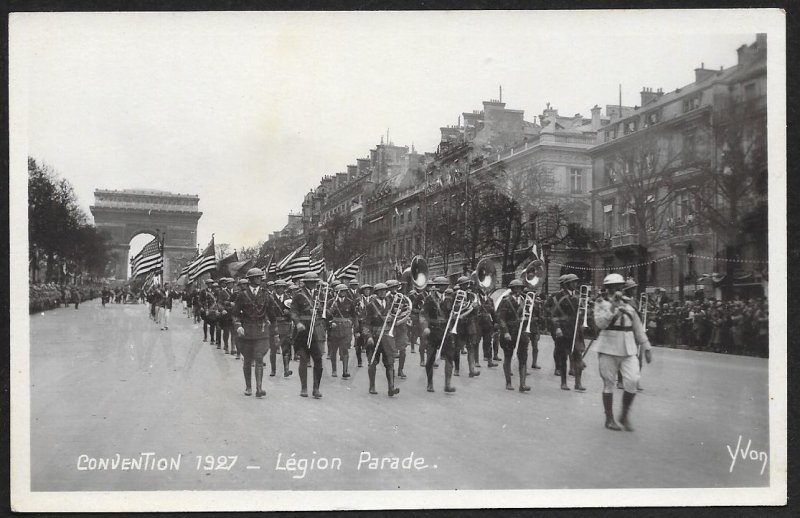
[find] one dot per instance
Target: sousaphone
(416, 275)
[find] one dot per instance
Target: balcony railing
(624, 239)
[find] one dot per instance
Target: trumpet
(643, 300)
(583, 305)
(527, 313)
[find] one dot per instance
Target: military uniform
(564, 315)
(400, 331)
(342, 321)
(362, 332)
(253, 322)
(302, 310)
(225, 322)
(415, 331)
(379, 344)
(485, 323)
(433, 316)
(621, 332)
(509, 315)
(282, 337)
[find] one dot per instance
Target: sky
(249, 110)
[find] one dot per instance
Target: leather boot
(563, 372)
(428, 374)
(457, 365)
(402, 362)
(371, 371)
(534, 357)
(448, 374)
(273, 357)
(471, 364)
(303, 380)
(578, 386)
(507, 372)
(317, 379)
(390, 380)
(259, 378)
(421, 356)
(608, 400)
(523, 373)
(346, 364)
(248, 376)
(627, 400)
(286, 372)
(333, 366)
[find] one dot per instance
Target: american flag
(207, 262)
(348, 272)
(149, 259)
(316, 260)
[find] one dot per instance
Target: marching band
(250, 318)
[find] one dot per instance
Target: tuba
(533, 273)
(416, 275)
(485, 274)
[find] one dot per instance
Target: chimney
(649, 96)
(596, 118)
(702, 73)
(352, 172)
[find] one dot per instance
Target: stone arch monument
(127, 213)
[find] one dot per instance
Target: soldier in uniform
(400, 330)
(361, 309)
(379, 343)
(282, 334)
(485, 324)
(417, 297)
(241, 285)
(252, 319)
(509, 315)
(467, 332)
(302, 309)
(433, 317)
(340, 329)
(621, 331)
(564, 314)
(536, 325)
(225, 321)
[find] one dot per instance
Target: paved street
(108, 381)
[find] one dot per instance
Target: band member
(417, 297)
(486, 323)
(629, 291)
(225, 321)
(165, 305)
(379, 344)
(301, 313)
(361, 309)
(564, 314)
(536, 324)
(433, 316)
(340, 329)
(621, 331)
(252, 320)
(510, 316)
(241, 285)
(282, 334)
(400, 330)
(466, 331)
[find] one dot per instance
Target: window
(410, 212)
(750, 91)
(689, 145)
(608, 217)
(690, 104)
(576, 181)
(630, 126)
(683, 206)
(652, 118)
(402, 218)
(611, 173)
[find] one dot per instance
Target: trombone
(319, 294)
(459, 302)
(643, 300)
(583, 305)
(395, 309)
(527, 313)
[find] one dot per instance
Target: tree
(445, 230)
(643, 173)
(731, 192)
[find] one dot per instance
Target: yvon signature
(747, 454)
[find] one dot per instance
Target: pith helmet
(613, 278)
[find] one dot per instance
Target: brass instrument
(527, 313)
(319, 294)
(485, 274)
(394, 310)
(583, 305)
(465, 306)
(401, 310)
(533, 273)
(643, 300)
(416, 275)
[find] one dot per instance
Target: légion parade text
(295, 466)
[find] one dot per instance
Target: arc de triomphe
(127, 213)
